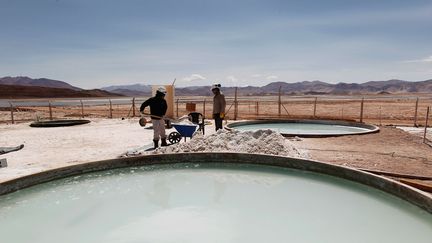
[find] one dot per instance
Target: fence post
(12, 113)
(279, 101)
(235, 104)
(177, 103)
(257, 109)
(204, 103)
(426, 124)
(415, 113)
(50, 110)
(315, 105)
(82, 109)
(110, 109)
(380, 122)
(361, 110)
(133, 107)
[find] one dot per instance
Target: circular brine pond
(59, 123)
(307, 128)
(209, 202)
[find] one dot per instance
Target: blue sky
(96, 43)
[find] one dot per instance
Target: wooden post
(204, 103)
(426, 124)
(133, 107)
(380, 116)
(110, 109)
(361, 110)
(415, 113)
(12, 113)
(235, 104)
(257, 109)
(82, 109)
(279, 101)
(177, 103)
(315, 105)
(50, 110)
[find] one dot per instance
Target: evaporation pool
(307, 128)
(209, 202)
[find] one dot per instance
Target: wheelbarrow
(183, 130)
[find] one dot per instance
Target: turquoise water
(302, 128)
(202, 203)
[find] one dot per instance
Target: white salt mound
(184, 120)
(258, 142)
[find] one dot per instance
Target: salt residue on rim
(363, 128)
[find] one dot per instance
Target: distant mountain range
(299, 88)
(130, 90)
(372, 87)
(25, 87)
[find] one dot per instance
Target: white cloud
(194, 77)
(232, 79)
(427, 59)
(272, 77)
(256, 75)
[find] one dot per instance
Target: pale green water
(205, 205)
(303, 128)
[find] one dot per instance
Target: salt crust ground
(48, 148)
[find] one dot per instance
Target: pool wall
(370, 127)
(410, 194)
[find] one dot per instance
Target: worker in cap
(219, 105)
(158, 108)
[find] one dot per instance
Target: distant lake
(69, 102)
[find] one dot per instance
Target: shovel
(143, 121)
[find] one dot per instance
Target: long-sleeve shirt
(158, 107)
(219, 104)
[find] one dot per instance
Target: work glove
(222, 115)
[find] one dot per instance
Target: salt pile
(260, 141)
(184, 120)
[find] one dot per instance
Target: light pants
(158, 129)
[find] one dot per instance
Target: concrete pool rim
(371, 128)
(407, 193)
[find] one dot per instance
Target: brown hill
(19, 92)
(41, 82)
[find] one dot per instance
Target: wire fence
(389, 110)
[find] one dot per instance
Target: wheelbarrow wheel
(174, 137)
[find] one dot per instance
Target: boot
(163, 142)
(156, 143)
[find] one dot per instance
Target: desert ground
(397, 149)
(406, 110)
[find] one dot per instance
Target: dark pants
(218, 121)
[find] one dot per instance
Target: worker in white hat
(158, 108)
(219, 105)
